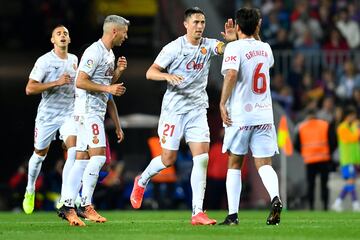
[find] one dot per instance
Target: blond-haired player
(96, 77)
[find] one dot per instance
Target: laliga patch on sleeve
(89, 63)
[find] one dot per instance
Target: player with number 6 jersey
(250, 102)
(246, 111)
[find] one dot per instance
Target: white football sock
(154, 167)
(71, 153)
(73, 182)
(270, 180)
(90, 178)
(233, 189)
(35, 163)
(198, 182)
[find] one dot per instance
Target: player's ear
(185, 24)
(69, 39)
(52, 40)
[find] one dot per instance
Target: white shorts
(91, 133)
(69, 128)
(261, 139)
(192, 125)
(45, 132)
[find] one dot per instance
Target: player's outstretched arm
(34, 87)
(155, 73)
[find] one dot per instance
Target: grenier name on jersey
(256, 53)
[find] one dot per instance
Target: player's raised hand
(224, 115)
(229, 33)
(174, 79)
(257, 31)
(64, 79)
(121, 63)
(117, 89)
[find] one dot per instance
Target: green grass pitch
(167, 225)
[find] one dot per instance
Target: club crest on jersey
(74, 66)
(203, 50)
(248, 107)
(163, 140)
(95, 140)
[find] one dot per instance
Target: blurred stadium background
(315, 48)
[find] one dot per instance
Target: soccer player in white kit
(96, 78)
(53, 76)
(183, 113)
(246, 111)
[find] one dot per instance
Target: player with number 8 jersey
(96, 78)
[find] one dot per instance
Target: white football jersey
(250, 102)
(192, 63)
(58, 102)
(98, 63)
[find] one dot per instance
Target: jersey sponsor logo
(194, 66)
(203, 50)
(95, 140)
(230, 59)
(263, 106)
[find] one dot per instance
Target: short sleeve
(89, 61)
(166, 56)
(231, 59)
(39, 70)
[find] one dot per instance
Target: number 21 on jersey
(167, 128)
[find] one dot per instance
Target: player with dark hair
(246, 111)
(184, 63)
(53, 76)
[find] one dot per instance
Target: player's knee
(168, 161)
(235, 165)
(41, 152)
